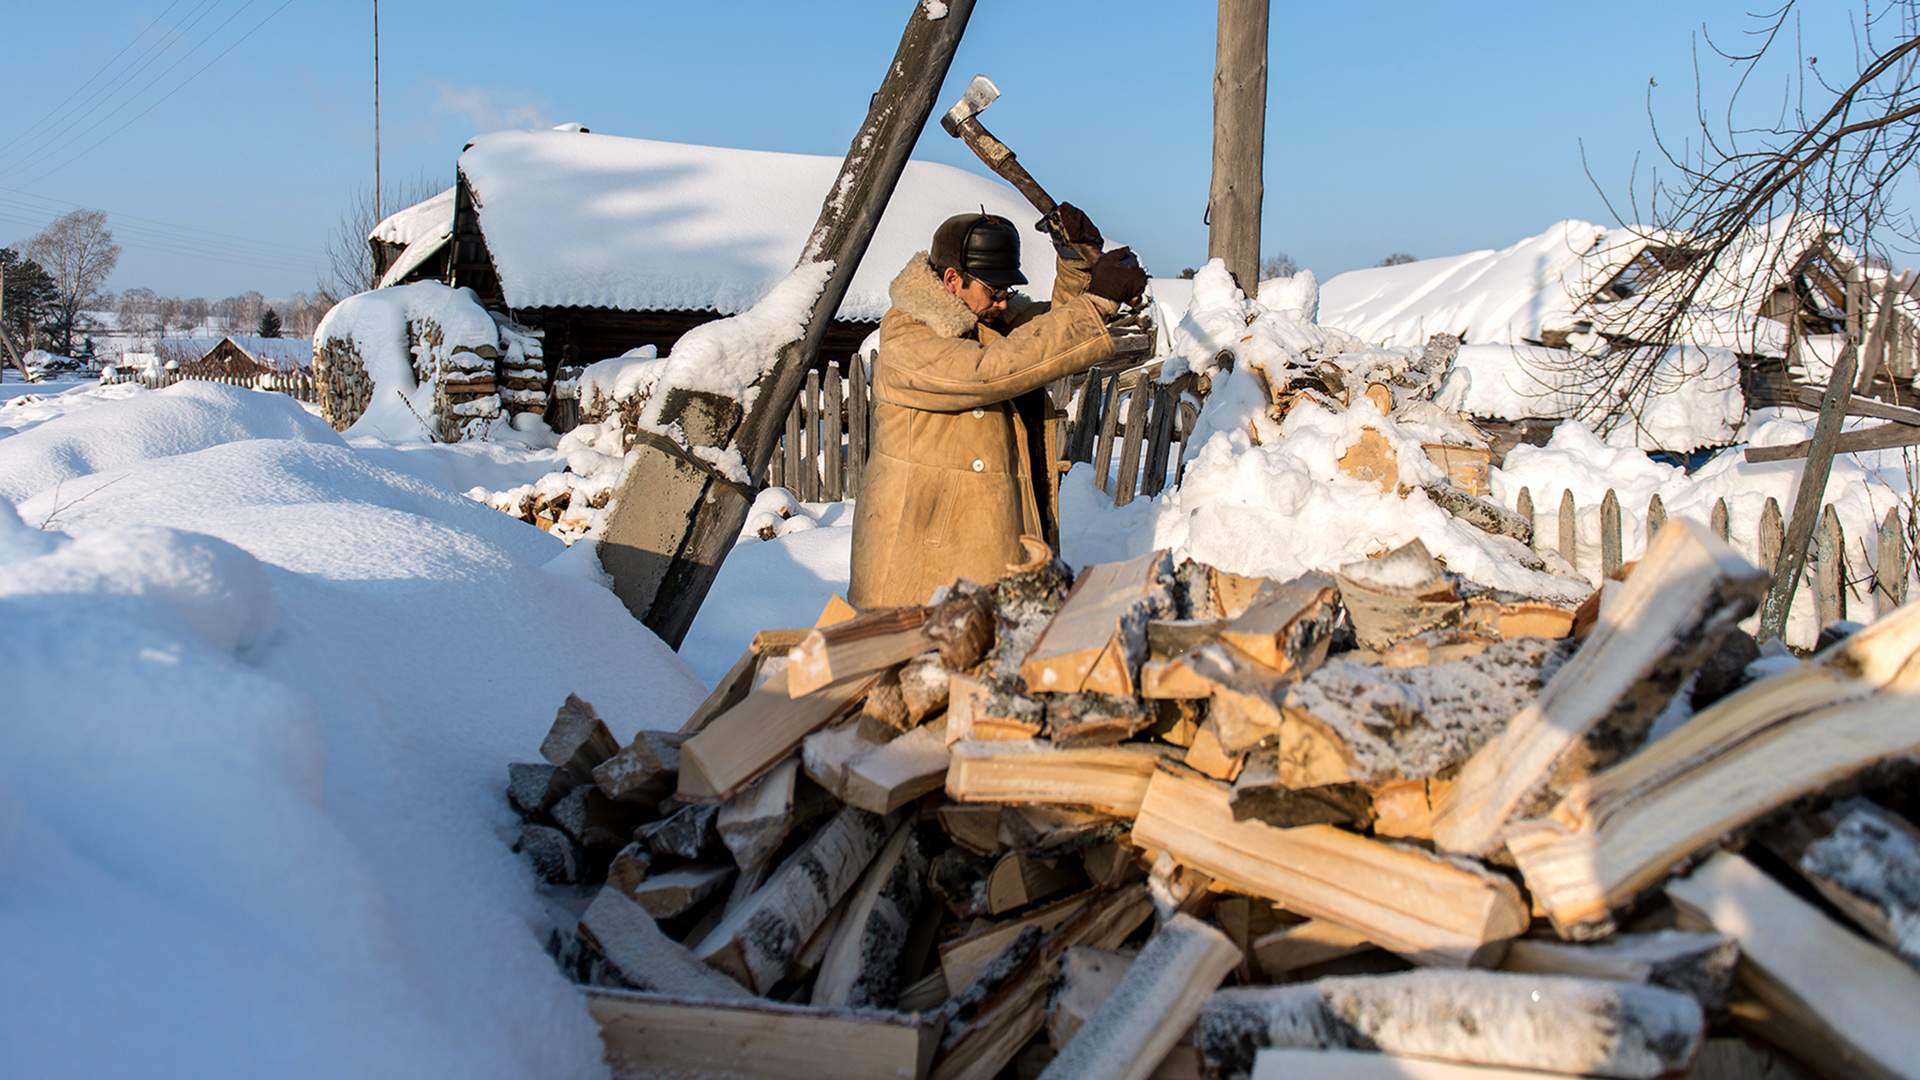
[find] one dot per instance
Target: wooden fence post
(856, 424)
(1165, 397)
(1524, 507)
(835, 464)
(790, 448)
(1656, 517)
(1610, 561)
(1773, 535)
(1812, 492)
(1103, 445)
(1127, 483)
(1569, 528)
(1239, 139)
(1721, 521)
(1086, 425)
(1890, 565)
(1830, 569)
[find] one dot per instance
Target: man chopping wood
(959, 473)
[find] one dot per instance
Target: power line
(134, 237)
(26, 200)
(70, 137)
(177, 88)
(55, 111)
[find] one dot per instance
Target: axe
(963, 123)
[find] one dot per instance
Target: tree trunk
(1239, 138)
(676, 517)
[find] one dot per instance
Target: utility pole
(377, 214)
(1239, 138)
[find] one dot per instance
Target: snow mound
(121, 425)
(257, 766)
(1692, 398)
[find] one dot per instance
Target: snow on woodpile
(384, 361)
(1281, 497)
(1509, 296)
(576, 219)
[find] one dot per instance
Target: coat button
(979, 466)
(978, 413)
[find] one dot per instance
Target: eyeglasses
(995, 293)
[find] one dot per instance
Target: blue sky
(1391, 126)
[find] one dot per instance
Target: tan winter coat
(958, 439)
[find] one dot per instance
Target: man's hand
(1075, 227)
(1117, 276)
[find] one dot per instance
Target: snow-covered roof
(575, 219)
(424, 218)
(1487, 297)
(278, 350)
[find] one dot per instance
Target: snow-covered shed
(607, 243)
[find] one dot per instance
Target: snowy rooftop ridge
(577, 219)
(425, 218)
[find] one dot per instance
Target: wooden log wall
(1859, 578)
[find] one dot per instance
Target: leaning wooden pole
(676, 514)
(1806, 501)
(1239, 138)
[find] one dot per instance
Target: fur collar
(918, 293)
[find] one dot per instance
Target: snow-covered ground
(262, 688)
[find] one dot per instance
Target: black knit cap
(985, 246)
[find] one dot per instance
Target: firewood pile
(1169, 821)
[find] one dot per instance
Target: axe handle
(1002, 160)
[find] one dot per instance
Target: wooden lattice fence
(294, 381)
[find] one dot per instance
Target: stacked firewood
(1171, 821)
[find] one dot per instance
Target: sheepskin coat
(959, 470)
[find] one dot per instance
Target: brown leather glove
(1117, 276)
(1074, 226)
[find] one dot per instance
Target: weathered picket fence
(296, 382)
(1881, 577)
(1123, 422)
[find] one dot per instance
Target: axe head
(980, 93)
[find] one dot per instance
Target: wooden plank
(753, 736)
(1166, 398)
(830, 444)
(1569, 529)
(1110, 779)
(1890, 436)
(1854, 997)
(1103, 447)
(1586, 1027)
(1096, 641)
(860, 646)
(1127, 482)
(790, 449)
(1656, 516)
(1087, 418)
(1876, 344)
(1673, 611)
(1773, 535)
(1617, 834)
(1810, 398)
(1810, 493)
(626, 935)
(1720, 520)
(1423, 907)
(1273, 1064)
(1891, 568)
(1829, 569)
(1610, 558)
(1523, 505)
(1155, 1003)
(810, 435)
(661, 1035)
(758, 941)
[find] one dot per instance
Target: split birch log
(1207, 756)
(1284, 952)
(889, 777)
(661, 1035)
(1584, 1027)
(1088, 977)
(973, 826)
(961, 625)
(1483, 514)
(1699, 964)
(992, 1019)
(1099, 637)
(924, 687)
(825, 754)
(626, 935)
(1869, 868)
(1728, 1058)
(756, 943)
(1689, 591)
(1425, 908)
(1018, 879)
(1094, 719)
(1155, 1003)
(964, 959)
(1616, 835)
(578, 740)
(1109, 779)
(862, 646)
(1854, 1000)
(687, 833)
(862, 963)
(1288, 625)
(1260, 794)
(1243, 703)
(533, 788)
(754, 823)
(753, 736)
(1360, 1065)
(629, 868)
(645, 771)
(679, 890)
(1398, 595)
